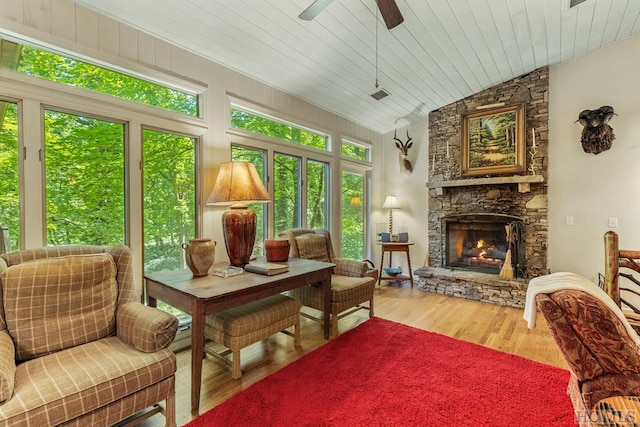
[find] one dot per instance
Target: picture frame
(493, 141)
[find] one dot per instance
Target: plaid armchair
(598, 343)
(75, 346)
(352, 282)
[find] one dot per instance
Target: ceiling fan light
(380, 94)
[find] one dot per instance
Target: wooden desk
(200, 296)
(395, 247)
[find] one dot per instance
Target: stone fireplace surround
(523, 196)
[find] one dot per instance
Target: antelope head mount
(405, 164)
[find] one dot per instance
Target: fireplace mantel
(515, 179)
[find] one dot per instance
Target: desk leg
(197, 347)
(326, 287)
(410, 272)
(380, 271)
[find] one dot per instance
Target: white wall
(410, 190)
(592, 188)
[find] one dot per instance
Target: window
(242, 119)
(85, 157)
(356, 151)
(84, 180)
(317, 194)
(169, 190)
(287, 199)
(259, 160)
(305, 187)
(88, 172)
(63, 69)
(9, 184)
(353, 215)
(355, 166)
(169, 194)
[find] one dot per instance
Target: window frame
(126, 166)
(271, 146)
(365, 170)
(197, 150)
(33, 95)
(352, 141)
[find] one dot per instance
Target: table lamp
(238, 184)
(391, 203)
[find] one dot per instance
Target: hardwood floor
(498, 327)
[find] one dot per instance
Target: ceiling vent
(379, 94)
(574, 3)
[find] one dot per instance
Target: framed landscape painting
(493, 141)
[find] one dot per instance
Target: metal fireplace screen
(477, 244)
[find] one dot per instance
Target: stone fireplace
(467, 216)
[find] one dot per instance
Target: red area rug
(383, 373)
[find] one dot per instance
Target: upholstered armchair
(598, 343)
(76, 348)
(352, 283)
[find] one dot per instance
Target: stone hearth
(472, 285)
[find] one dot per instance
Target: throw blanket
(569, 281)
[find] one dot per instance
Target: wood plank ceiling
(444, 51)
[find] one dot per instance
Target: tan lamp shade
(238, 184)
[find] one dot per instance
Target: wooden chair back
(622, 263)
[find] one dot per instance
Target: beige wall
(593, 188)
(67, 26)
(410, 190)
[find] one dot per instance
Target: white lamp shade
(391, 202)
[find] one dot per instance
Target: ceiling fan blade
(314, 9)
(390, 13)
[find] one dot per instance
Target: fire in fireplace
(477, 242)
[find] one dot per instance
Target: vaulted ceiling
(444, 51)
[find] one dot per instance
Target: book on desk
(266, 268)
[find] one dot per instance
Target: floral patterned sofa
(76, 348)
(598, 343)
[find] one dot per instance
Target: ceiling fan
(388, 9)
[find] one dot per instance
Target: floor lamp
(238, 184)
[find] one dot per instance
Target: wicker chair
(352, 283)
(600, 346)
